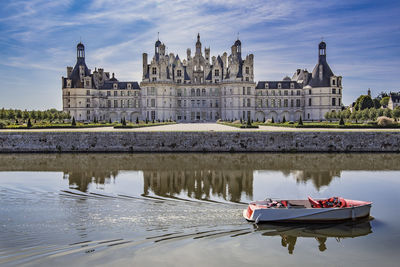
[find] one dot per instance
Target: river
(186, 209)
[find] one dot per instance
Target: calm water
(186, 209)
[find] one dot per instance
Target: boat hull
(307, 214)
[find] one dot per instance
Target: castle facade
(200, 88)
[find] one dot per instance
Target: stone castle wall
(199, 142)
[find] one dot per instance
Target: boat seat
(314, 203)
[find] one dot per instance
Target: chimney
(144, 65)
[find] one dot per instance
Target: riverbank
(127, 140)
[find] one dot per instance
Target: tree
(385, 101)
(29, 125)
(387, 113)
(373, 114)
(248, 121)
(365, 114)
(396, 113)
(300, 121)
(341, 122)
(363, 102)
(380, 112)
(284, 119)
(353, 115)
(377, 103)
(124, 122)
(358, 116)
(73, 121)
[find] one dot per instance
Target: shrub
(73, 121)
(341, 122)
(300, 121)
(284, 119)
(384, 121)
(291, 122)
(109, 121)
(248, 121)
(137, 120)
(124, 122)
(29, 125)
(2, 124)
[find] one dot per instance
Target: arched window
(198, 92)
(203, 92)
(192, 92)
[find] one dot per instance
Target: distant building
(394, 100)
(200, 88)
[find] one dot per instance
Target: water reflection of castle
(200, 184)
(229, 176)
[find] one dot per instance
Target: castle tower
(198, 45)
(80, 52)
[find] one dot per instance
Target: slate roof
(395, 97)
(274, 85)
(121, 85)
(324, 81)
(75, 77)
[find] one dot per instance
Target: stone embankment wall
(199, 142)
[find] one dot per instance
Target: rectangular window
(109, 103)
(248, 102)
(248, 90)
(115, 103)
(247, 70)
(153, 103)
(153, 115)
(333, 101)
(286, 92)
(87, 92)
(333, 91)
(122, 93)
(115, 93)
(179, 73)
(216, 72)
(154, 71)
(87, 100)
(285, 103)
(297, 102)
(244, 90)
(179, 103)
(88, 105)
(309, 101)
(291, 103)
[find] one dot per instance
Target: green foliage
(300, 121)
(377, 103)
(396, 113)
(373, 114)
(248, 121)
(73, 121)
(124, 122)
(387, 113)
(363, 102)
(29, 125)
(341, 122)
(384, 101)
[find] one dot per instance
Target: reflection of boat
(321, 232)
(327, 210)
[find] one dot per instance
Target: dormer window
(69, 83)
(154, 71)
(333, 82)
(179, 73)
(247, 70)
(129, 86)
(291, 85)
(115, 86)
(216, 72)
(279, 85)
(266, 86)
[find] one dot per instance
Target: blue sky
(38, 40)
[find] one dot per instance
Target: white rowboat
(322, 210)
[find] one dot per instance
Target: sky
(38, 40)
